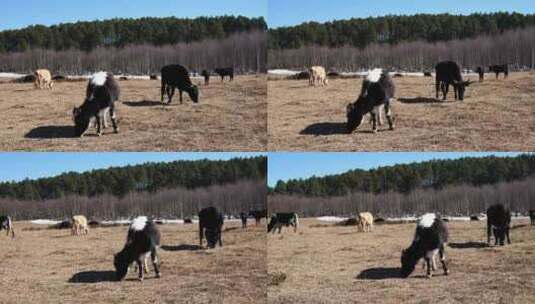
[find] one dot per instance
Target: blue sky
(20, 165)
(21, 13)
(286, 12)
(284, 166)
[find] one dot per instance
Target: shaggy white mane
(139, 223)
(427, 220)
(98, 79)
(374, 75)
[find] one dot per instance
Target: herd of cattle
(430, 238)
(378, 90)
(103, 91)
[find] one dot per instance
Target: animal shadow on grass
(93, 277)
(380, 273)
(231, 228)
(182, 247)
(48, 132)
(325, 128)
(468, 245)
(420, 100)
(143, 103)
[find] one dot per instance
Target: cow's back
(176, 75)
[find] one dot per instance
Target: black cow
(377, 91)
(243, 217)
(283, 219)
(210, 224)
(449, 73)
(532, 216)
(7, 224)
(499, 221)
(101, 93)
(143, 238)
(258, 215)
(481, 73)
(500, 68)
(430, 238)
(206, 76)
(225, 72)
(428, 74)
(177, 77)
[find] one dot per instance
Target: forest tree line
(454, 200)
(121, 32)
(149, 178)
(173, 203)
(406, 178)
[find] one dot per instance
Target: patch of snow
(11, 75)
(331, 218)
(45, 222)
(283, 72)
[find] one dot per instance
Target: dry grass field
(231, 116)
(51, 266)
(496, 115)
(323, 263)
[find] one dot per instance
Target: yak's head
(460, 86)
(212, 236)
(81, 121)
(408, 262)
(193, 93)
(121, 265)
(354, 114)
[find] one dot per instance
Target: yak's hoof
(391, 128)
(158, 275)
(140, 279)
(446, 272)
(116, 130)
(374, 130)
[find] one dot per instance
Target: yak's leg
(146, 264)
(445, 88)
(438, 87)
(388, 112)
(180, 91)
(488, 233)
(374, 121)
(140, 268)
(170, 93)
(442, 254)
(155, 262)
(428, 266)
(507, 235)
(99, 130)
(113, 119)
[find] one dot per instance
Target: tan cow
(317, 76)
(365, 221)
(43, 79)
(79, 225)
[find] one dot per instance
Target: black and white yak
(258, 215)
(143, 239)
(210, 225)
(174, 77)
(449, 73)
(377, 92)
(283, 219)
(499, 222)
(500, 68)
(7, 224)
(225, 72)
(101, 93)
(429, 240)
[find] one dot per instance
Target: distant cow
(206, 76)
(449, 73)
(243, 217)
(365, 221)
(500, 68)
(79, 225)
(532, 216)
(430, 238)
(225, 72)
(210, 225)
(377, 92)
(153, 77)
(7, 224)
(177, 77)
(499, 221)
(428, 74)
(481, 73)
(143, 239)
(101, 93)
(317, 76)
(258, 215)
(283, 219)
(43, 79)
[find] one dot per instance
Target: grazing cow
(430, 237)
(153, 77)
(79, 225)
(258, 215)
(532, 216)
(206, 76)
(43, 79)
(365, 221)
(177, 77)
(499, 221)
(428, 74)
(210, 224)
(377, 92)
(449, 73)
(101, 94)
(225, 72)
(7, 224)
(481, 73)
(243, 217)
(317, 76)
(143, 238)
(283, 219)
(500, 68)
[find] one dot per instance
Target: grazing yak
(101, 93)
(430, 238)
(532, 216)
(7, 224)
(43, 79)
(210, 225)
(365, 221)
(449, 73)
(377, 92)
(225, 72)
(283, 219)
(79, 225)
(317, 76)
(177, 77)
(500, 68)
(206, 76)
(258, 215)
(499, 221)
(481, 73)
(143, 239)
